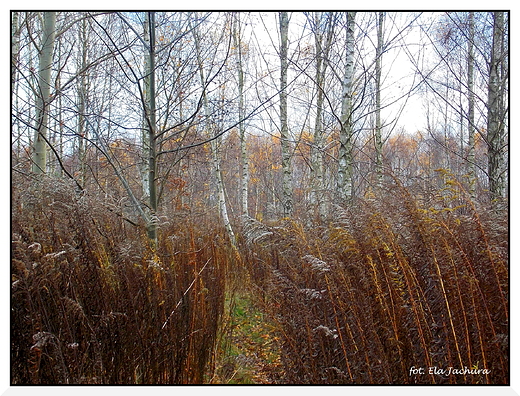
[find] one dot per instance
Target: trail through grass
(249, 348)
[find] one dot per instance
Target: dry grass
(389, 285)
(385, 285)
(92, 303)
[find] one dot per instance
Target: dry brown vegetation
(204, 198)
(386, 286)
(382, 286)
(93, 303)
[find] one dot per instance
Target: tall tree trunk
(495, 122)
(244, 158)
(82, 97)
(345, 183)
(471, 107)
(57, 136)
(39, 159)
(287, 198)
(215, 152)
(322, 53)
(316, 154)
(151, 120)
(145, 150)
(15, 48)
(378, 126)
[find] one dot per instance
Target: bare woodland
(259, 197)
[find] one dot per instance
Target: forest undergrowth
(384, 287)
(248, 352)
(92, 302)
(389, 291)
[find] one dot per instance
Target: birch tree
(244, 158)
(323, 29)
(213, 138)
(39, 159)
(15, 48)
(15, 60)
(150, 117)
(471, 105)
(345, 187)
(378, 126)
(145, 142)
(287, 199)
(82, 98)
(496, 113)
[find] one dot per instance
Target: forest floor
(249, 349)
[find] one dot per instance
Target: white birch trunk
(244, 158)
(495, 122)
(215, 153)
(471, 107)
(150, 126)
(221, 195)
(82, 93)
(287, 199)
(15, 49)
(44, 84)
(145, 151)
(345, 160)
(322, 54)
(378, 126)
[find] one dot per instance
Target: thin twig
(184, 294)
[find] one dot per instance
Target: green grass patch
(249, 348)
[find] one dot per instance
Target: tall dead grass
(390, 291)
(93, 303)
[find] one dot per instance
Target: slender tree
(496, 121)
(82, 99)
(145, 137)
(345, 183)
(15, 47)
(213, 137)
(244, 158)
(287, 193)
(323, 28)
(471, 105)
(150, 111)
(378, 126)
(44, 92)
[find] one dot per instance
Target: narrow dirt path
(250, 347)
